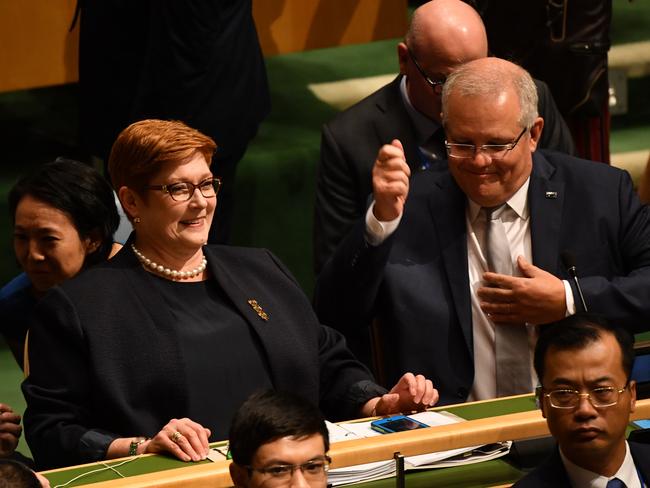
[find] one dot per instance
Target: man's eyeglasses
(605, 396)
(279, 474)
(494, 151)
(436, 85)
(183, 190)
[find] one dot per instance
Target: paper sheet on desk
(381, 469)
(360, 430)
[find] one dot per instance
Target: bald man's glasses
(436, 85)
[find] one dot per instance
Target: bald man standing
(443, 34)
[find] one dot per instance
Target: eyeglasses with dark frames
(436, 85)
(312, 470)
(494, 151)
(602, 397)
(183, 190)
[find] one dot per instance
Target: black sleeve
(57, 391)
(625, 299)
(337, 196)
(347, 288)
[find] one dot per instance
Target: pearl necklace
(167, 272)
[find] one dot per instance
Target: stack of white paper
(383, 469)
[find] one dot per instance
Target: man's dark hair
(271, 415)
(578, 331)
(79, 191)
(16, 475)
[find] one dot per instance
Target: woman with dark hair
(64, 217)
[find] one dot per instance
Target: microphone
(569, 262)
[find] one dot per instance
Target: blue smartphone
(397, 423)
(642, 424)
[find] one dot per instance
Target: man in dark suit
(584, 367)
(425, 278)
(443, 34)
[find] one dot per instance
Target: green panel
(140, 465)
(645, 336)
(493, 408)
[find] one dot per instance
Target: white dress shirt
(583, 478)
(516, 221)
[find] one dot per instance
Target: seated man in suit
(278, 439)
(443, 34)
(586, 396)
(459, 283)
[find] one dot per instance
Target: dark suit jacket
(552, 474)
(349, 146)
(105, 360)
(416, 282)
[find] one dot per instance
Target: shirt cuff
(376, 231)
(93, 445)
(570, 303)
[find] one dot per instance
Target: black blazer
(552, 474)
(349, 146)
(416, 283)
(104, 355)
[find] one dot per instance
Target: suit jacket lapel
(447, 207)
(546, 201)
(395, 123)
(640, 454)
(229, 281)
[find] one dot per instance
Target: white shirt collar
(581, 477)
(517, 202)
(424, 126)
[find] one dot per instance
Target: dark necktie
(511, 340)
(616, 483)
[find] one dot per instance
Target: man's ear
(239, 475)
(536, 133)
(402, 57)
(632, 388)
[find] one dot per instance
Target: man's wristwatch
(135, 443)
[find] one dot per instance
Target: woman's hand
(10, 430)
(410, 393)
(183, 438)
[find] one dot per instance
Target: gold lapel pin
(258, 309)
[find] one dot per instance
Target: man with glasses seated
(586, 396)
(278, 439)
(443, 34)
(458, 267)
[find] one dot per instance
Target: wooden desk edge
(514, 426)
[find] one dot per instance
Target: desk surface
(164, 471)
